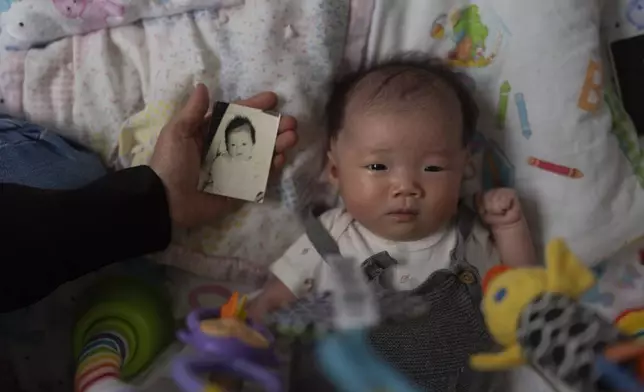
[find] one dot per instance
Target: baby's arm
(501, 211)
(290, 275)
(274, 295)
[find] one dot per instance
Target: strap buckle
(376, 265)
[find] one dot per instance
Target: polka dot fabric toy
(536, 316)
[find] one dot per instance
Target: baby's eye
(433, 169)
(377, 167)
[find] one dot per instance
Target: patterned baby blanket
(29, 23)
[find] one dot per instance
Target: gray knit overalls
(432, 348)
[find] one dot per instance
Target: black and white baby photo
(240, 148)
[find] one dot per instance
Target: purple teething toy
(227, 355)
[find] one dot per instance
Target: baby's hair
(421, 75)
(238, 122)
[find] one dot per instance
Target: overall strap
(459, 265)
(319, 236)
(327, 247)
(376, 265)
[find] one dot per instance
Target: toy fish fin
(565, 274)
(510, 358)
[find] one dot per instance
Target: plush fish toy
(534, 314)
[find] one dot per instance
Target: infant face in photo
(241, 142)
(240, 138)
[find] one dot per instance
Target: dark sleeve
(50, 237)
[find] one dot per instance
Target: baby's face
(240, 143)
(399, 173)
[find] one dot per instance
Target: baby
(236, 165)
(240, 138)
(399, 135)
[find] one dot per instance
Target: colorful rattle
(124, 327)
(535, 315)
(228, 345)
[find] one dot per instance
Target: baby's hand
(274, 295)
(499, 207)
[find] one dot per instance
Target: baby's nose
(407, 186)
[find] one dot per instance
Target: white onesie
(301, 268)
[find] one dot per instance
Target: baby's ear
(464, 156)
(467, 154)
(331, 167)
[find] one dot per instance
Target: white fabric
(301, 268)
(549, 53)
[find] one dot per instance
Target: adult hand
(177, 157)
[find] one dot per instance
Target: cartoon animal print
(94, 13)
(635, 13)
(470, 34)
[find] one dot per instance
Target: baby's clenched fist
(499, 207)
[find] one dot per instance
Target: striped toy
(100, 359)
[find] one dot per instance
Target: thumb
(263, 101)
(194, 111)
(211, 207)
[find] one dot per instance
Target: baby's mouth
(403, 215)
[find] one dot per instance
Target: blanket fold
(30, 23)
